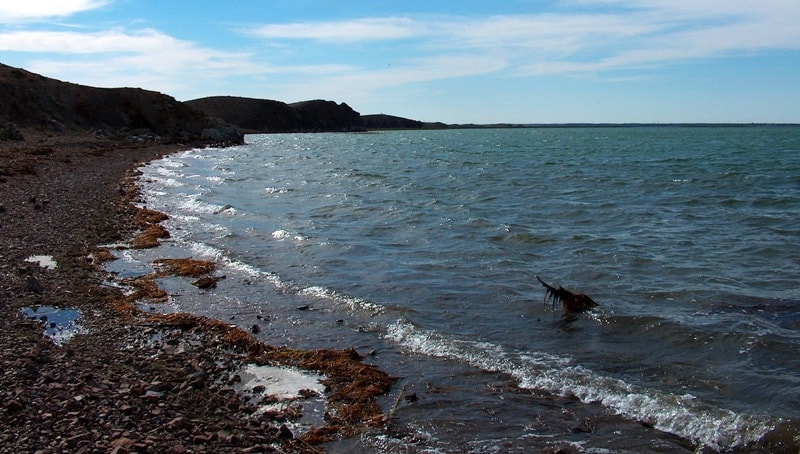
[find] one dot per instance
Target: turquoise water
(421, 247)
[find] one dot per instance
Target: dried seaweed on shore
(352, 385)
(187, 267)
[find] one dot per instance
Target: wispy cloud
(116, 57)
(20, 11)
(620, 39)
(604, 35)
(370, 29)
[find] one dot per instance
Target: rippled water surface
(421, 247)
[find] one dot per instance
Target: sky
(524, 61)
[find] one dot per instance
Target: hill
(267, 116)
(383, 121)
(34, 101)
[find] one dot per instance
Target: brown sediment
(352, 385)
(132, 382)
(187, 267)
(148, 238)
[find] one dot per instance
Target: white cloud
(30, 10)
(605, 35)
(146, 58)
(353, 56)
(368, 29)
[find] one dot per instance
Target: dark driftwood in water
(571, 302)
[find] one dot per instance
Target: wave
(682, 415)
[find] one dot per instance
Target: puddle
(60, 325)
(44, 261)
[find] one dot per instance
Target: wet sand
(130, 381)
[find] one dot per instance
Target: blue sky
(467, 61)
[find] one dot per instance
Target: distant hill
(264, 115)
(383, 121)
(252, 115)
(32, 100)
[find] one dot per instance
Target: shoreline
(131, 382)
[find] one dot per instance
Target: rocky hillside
(35, 101)
(383, 121)
(264, 115)
(252, 115)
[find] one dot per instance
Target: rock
(255, 329)
(9, 131)
(207, 282)
(33, 285)
(223, 135)
(284, 433)
(13, 405)
(121, 445)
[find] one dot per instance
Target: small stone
(255, 329)
(13, 405)
(284, 433)
(33, 285)
(205, 283)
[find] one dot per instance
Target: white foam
(211, 253)
(284, 234)
(45, 261)
(281, 382)
(191, 204)
(353, 303)
(682, 415)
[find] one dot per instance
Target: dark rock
(13, 405)
(223, 133)
(255, 329)
(9, 131)
(33, 285)
(206, 282)
(284, 433)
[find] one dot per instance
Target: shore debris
(207, 282)
(187, 267)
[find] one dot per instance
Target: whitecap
(353, 303)
(282, 234)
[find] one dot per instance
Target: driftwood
(571, 302)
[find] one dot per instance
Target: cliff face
(31, 100)
(263, 115)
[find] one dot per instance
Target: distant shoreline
(608, 125)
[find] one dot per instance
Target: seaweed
(570, 301)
